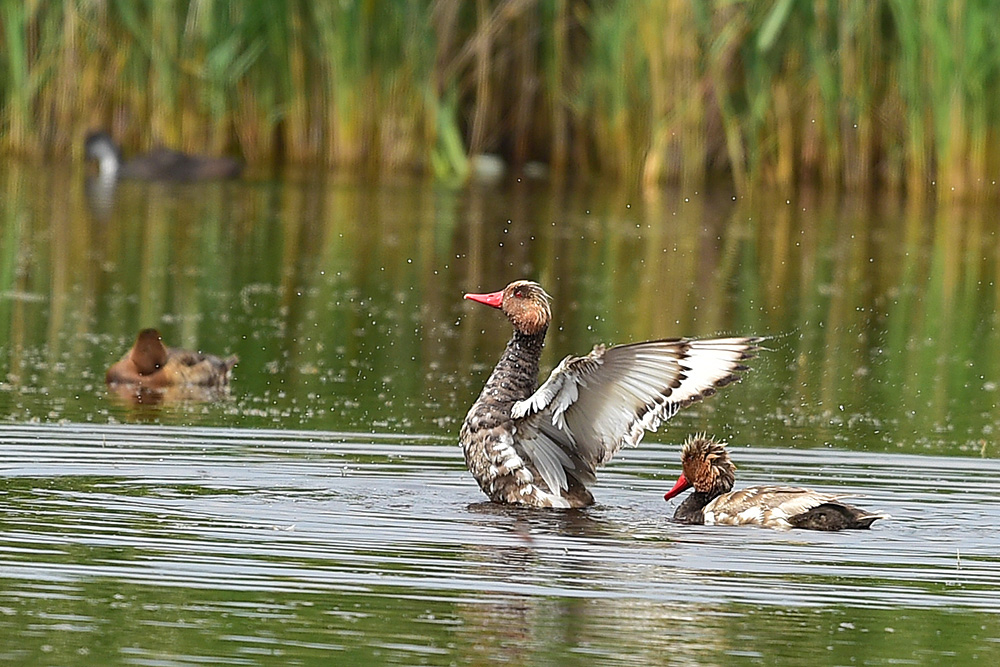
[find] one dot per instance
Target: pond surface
(322, 512)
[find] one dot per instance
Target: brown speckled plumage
(706, 467)
(540, 445)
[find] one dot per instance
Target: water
(323, 512)
(185, 545)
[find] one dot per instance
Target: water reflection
(343, 299)
(312, 531)
(525, 522)
(131, 396)
(167, 544)
(101, 192)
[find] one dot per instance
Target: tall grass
(887, 93)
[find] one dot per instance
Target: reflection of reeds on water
(854, 93)
(326, 289)
(874, 303)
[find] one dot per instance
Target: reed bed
(857, 94)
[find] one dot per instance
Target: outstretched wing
(592, 406)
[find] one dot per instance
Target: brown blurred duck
(160, 164)
(540, 445)
(707, 468)
(152, 365)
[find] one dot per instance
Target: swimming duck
(160, 164)
(706, 467)
(540, 445)
(152, 365)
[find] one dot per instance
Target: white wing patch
(592, 406)
(549, 459)
(562, 388)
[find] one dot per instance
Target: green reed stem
(859, 94)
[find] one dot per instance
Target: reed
(888, 93)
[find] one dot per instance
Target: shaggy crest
(706, 465)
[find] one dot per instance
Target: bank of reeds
(856, 93)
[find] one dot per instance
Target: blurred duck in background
(160, 164)
(152, 366)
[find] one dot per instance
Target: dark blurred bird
(160, 164)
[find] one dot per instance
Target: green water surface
(343, 300)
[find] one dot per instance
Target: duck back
(170, 165)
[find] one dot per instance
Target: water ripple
(292, 514)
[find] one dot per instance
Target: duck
(706, 467)
(540, 445)
(160, 164)
(151, 365)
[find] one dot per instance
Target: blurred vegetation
(888, 93)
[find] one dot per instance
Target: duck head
(148, 354)
(706, 466)
(99, 146)
(524, 303)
